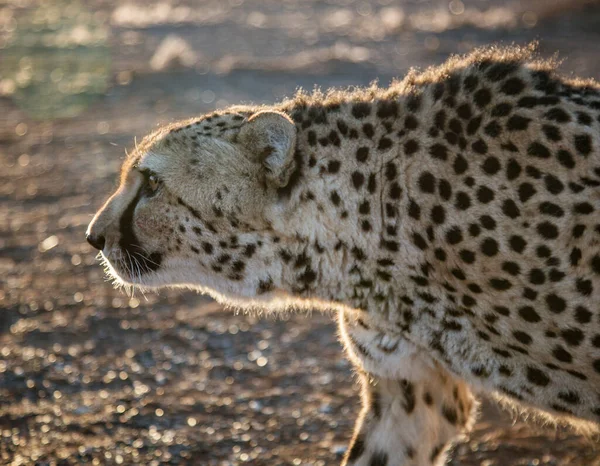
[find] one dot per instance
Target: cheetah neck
(344, 202)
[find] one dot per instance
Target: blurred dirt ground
(89, 375)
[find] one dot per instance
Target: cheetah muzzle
(451, 220)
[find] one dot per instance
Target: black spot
(491, 165)
(576, 187)
(558, 115)
(537, 377)
(387, 109)
(410, 122)
(537, 149)
(482, 97)
(467, 256)
(249, 250)
(501, 110)
(583, 208)
(500, 71)
(368, 130)
(474, 125)
(551, 132)
(445, 189)
(553, 184)
(419, 241)
(513, 86)
(391, 171)
(595, 263)
(334, 138)
(584, 119)
(439, 151)
(569, 397)
(489, 247)
(440, 120)
(411, 146)
(414, 210)
(362, 153)
(335, 198)
(485, 195)
(333, 166)
(480, 146)
(361, 110)
(500, 284)
(572, 336)
(488, 222)
(526, 191)
(511, 267)
(342, 127)
(384, 144)
(408, 392)
(471, 82)
(528, 102)
(463, 201)
(517, 123)
(529, 314)
(395, 191)
(450, 414)
(522, 337)
(438, 214)
(547, 230)
(548, 208)
(537, 277)
(379, 459)
(413, 102)
(372, 184)
(555, 303)
(533, 172)
(583, 144)
(454, 235)
(364, 208)
(464, 111)
(513, 170)
(517, 243)
(493, 129)
(578, 231)
(238, 266)
(502, 310)
(562, 354)
(427, 182)
(510, 209)
(358, 179)
(460, 165)
(265, 286)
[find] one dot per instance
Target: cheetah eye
(151, 182)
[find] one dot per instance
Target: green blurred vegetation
(56, 59)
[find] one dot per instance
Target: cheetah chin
(451, 221)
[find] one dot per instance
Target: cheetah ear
(270, 138)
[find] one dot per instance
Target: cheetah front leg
(410, 421)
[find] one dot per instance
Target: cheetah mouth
(131, 265)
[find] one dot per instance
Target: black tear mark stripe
(192, 211)
(129, 242)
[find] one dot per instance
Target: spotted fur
(451, 219)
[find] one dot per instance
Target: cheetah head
(199, 205)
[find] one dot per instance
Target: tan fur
(451, 221)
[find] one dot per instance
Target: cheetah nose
(96, 241)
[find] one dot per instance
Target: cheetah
(450, 221)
